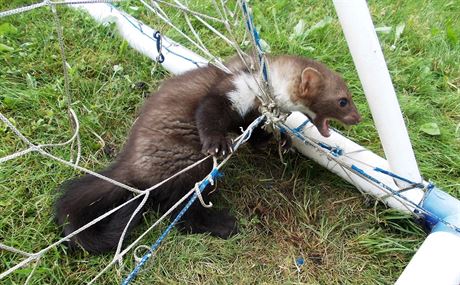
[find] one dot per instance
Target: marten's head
(316, 91)
(327, 97)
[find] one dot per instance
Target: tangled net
(225, 25)
(229, 29)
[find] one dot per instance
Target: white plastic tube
(436, 262)
(354, 154)
(178, 59)
(367, 55)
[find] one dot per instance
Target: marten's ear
(310, 82)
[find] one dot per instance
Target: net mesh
(187, 25)
(212, 33)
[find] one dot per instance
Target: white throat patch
(243, 98)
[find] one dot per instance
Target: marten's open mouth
(322, 125)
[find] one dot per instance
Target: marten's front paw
(217, 145)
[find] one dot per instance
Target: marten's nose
(352, 119)
(357, 118)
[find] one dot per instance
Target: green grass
(285, 212)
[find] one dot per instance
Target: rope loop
(200, 197)
(335, 151)
(138, 258)
(273, 117)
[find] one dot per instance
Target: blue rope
(298, 133)
(371, 178)
(255, 34)
(212, 176)
(434, 218)
(394, 175)
(428, 215)
(335, 151)
(302, 126)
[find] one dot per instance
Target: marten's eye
(343, 102)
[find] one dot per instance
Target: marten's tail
(88, 197)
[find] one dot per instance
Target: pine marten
(189, 117)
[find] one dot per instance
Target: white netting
(227, 29)
(226, 26)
